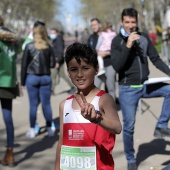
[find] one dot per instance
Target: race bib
(75, 158)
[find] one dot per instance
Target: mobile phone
(135, 30)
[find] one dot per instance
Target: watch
(99, 117)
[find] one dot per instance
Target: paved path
(39, 153)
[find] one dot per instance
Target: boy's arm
(110, 119)
(57, 161)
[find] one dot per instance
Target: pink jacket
(105, 40)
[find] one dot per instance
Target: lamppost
(144, 13)
(8, 17)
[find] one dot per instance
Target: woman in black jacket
(37, 60)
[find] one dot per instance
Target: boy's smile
(82, 75)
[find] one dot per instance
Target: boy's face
(129, 23)
(82, 75)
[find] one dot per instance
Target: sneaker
(132, 166)
(53, 128)
(161, 132)
(31, 133)
(36, 129)
(101, 72)
(50, 132)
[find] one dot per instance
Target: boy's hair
(130, 12)
(95, 19)
(81, 51)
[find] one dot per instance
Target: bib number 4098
(78, 158)
(77, 162)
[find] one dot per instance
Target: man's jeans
(129, 98)
(39, 90)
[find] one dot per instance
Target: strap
(70, 97)
(101, 92)
(35, 56)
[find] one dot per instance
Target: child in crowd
(88, 119)
(104, 43)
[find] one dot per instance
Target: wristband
(98, 119)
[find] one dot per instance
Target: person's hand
(57, 65)
(132, 38)
(87, 109)
(103, 53)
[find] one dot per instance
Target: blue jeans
(7, 116)
(39, 90)
(129, 98)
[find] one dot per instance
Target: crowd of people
(89, 119)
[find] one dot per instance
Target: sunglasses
(39, 23)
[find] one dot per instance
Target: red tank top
(78, 131)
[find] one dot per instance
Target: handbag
(19, 91)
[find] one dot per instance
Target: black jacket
(36, 61)
(132, 63)
(92, 40)
(58, 48)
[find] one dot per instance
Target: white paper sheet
(156, 80)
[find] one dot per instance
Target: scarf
(123, 32)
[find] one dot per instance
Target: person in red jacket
(152, 36)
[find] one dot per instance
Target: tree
(24, 12)
(110, 10)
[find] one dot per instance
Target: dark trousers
(7, 116)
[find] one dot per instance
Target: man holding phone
(130, 50)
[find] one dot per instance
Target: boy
(88, 119)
